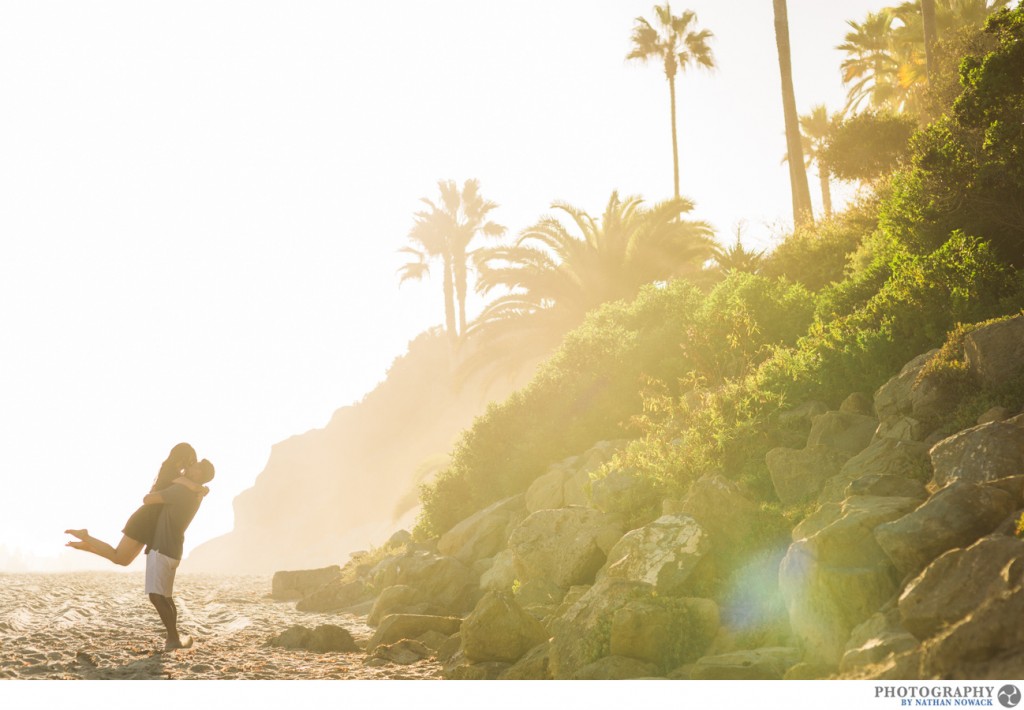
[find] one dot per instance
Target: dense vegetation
(696, 378)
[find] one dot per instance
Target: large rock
(583, 634)
(894, 398)
(887, 457)
(995, 352)
(396, 599)
(411, 626)
(844, 431)
(443, 581)
(327, 638)
(982, 453)
(532, 666)
(501, 574)
(903, 428)
(664, 553)
(956, 516)
(485, 533)
(799, 474)
(565, 546)
(986, 644)
(335, 595)
(757, 664)
(959, 582)
(499, 630)
(662, 632)
(876, 641)
(834, 576)
(547, 491)
(731, 520)
(296, 584)
(888, 485)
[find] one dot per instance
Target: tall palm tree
(553, 274)
(794, 149)
(676, 46)
(816, 129)
(444, 232)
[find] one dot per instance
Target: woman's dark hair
(181, 457)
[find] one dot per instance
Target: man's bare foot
(80, 534)
(182, 642)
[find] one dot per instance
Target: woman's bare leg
(125, 552)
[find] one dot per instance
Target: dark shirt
(180, 506)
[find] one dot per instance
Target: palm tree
(870, 63)
(890, 54)
(677, 46)
(553, 274)
(444, 232)
(794, 150)
(816, 129)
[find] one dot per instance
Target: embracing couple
(159, 526)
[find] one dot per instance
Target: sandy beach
(100, 625)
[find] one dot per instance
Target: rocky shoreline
(906, 565)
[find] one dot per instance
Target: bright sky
(201, 204)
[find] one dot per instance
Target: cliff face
(347, 486)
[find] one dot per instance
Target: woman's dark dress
(141, 525)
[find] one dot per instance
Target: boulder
(757, 664)
(565, 546)
(933, 397)
(995, 352)
(396, 599)
(410, 626)
(501, 574)
(583, 633)
(834, 576)
(995, 414)
(858, 403)
(483, 534)
(905, 428)
(532, 666)
(402, 652)
(888, 485)
(399, 538)
(981, 453)
(956, 516)
(664, 553)
(538, 593)
(987, 644)
(547, 491)
(488, 670)
(443, 582)
(732, 520)
(881, 457)
(875, 641)
(327, 638)
(893, 399)
(616, 668)
(299, 583)
(799, 474)
(845, 431)
(499, 630)
(959, 582)
(335, 595)
(663, 633)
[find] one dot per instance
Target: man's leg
(169, 615)
(159, 586)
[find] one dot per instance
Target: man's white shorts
(160, 571)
